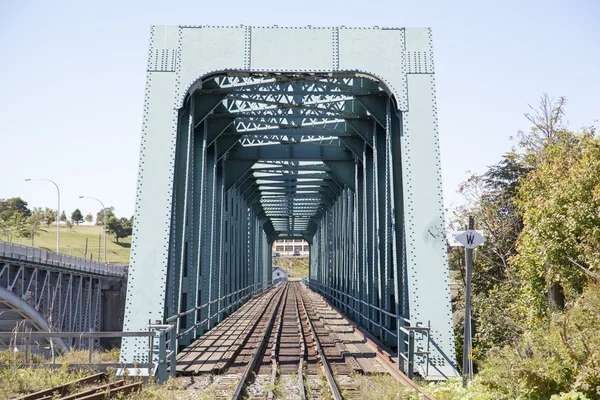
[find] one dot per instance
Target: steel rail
(380, 352)
(103, 388)
(111, 392)
(274, 348)
(62, 389)
(244, 314)
(324, 363)
(302, 346)
(237, 394)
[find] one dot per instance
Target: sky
(72, 77)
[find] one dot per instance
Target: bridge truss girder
(237, 152)
(66, 300)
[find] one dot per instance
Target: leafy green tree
(110, 212)
(50, 216)
(119, 227)
(11, 206)
(77, 216)
(63, 216)
(560, 200)
(491, 200)
(19, 226)
(37, 213)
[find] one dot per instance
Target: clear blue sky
(72, 79)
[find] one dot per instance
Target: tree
(69, 225)
(89, 217)
(19, 225)
(63, 216)
(77, 216)
(11, 206)
(491, 201)
(547, 121)
(110, 212)
(560, 200)
(119, 227)
(50, 216)
(37, 213)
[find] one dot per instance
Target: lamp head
(27, 179)
(81, 197)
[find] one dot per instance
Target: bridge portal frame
(399, 60)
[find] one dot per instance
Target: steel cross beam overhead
(326, 134)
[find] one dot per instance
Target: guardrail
(405, 334)
(41, 256)
(407, 338)
(164, 364)
(207, 321)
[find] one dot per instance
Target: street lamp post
(81, 252)
(32, 233)
(103, 219)
(57, 212)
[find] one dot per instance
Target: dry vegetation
(299, 266)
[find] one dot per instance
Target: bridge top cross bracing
(297, 129)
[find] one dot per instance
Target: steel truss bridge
(252, 134)
(44, 291)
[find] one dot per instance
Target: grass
(381, 387)
(73, 241)
(18, 380)
(299, 266)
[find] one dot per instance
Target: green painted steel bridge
(252, 134)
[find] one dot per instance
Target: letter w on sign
(469, 238)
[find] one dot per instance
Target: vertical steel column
(199, 226)
(397, 216)
(225, 265)
(210, 240)
(370, 256)
(380, 225)
(360, 276)
(219, 263)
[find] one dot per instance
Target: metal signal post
(467, 372)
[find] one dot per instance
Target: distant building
(279, 275)
(289, 247)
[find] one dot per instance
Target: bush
(559, 358)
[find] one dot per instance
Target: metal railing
(175, 318)
(407, 341)
(27, 339)
(165, 361)
(405, 334)
(400, 318)
(41, 256)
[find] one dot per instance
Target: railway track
(289, 342)
(293, 353)
(382, 359)
(286, 359)
(94, 387)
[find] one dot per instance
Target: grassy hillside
(74, 241)
(297, 269)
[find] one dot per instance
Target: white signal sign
(469, 238)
